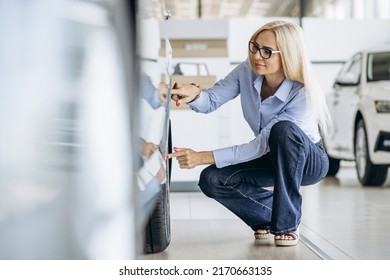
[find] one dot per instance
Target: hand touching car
(185, 93)
(188, 158)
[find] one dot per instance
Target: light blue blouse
(288, 103)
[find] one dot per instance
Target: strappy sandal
(292, 239)
(262, 234)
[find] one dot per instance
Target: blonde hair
(297, 67)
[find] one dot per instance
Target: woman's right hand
(188, 158)
(184, 93)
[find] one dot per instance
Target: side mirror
(347, 79)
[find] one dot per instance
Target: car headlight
(382, 106)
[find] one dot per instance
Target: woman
(286, 110)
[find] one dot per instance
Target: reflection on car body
(360, 106)
(70, 147)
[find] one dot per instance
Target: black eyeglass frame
(258, 49)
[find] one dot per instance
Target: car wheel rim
(361, 151)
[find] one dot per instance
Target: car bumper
(382, 142)
(379, 139)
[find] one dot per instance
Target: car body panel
(155, 135)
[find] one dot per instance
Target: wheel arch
(358, 117)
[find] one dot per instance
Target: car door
(344, 106)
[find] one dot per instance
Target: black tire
(334, 166)
(369, 174)
(158, 228)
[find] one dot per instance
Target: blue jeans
(293, 161)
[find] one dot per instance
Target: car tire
(334, 166)
(369, 174)
(158, 228)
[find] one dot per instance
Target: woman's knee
(283, 132)
(207, 180)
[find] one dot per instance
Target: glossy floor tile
(347, 220)
(224, 239)
(341, 220)
(203, 229)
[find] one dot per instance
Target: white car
(360, 109)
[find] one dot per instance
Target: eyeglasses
(264, 52)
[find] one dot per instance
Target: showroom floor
(341, 220)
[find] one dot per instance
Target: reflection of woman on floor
(286, 110)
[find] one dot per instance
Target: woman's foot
(262, 234)
(288, 239)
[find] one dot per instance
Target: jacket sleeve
(224, 90)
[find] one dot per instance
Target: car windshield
(378, 67)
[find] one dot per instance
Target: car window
(354, 68)
(378, 66)
(350, 71)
